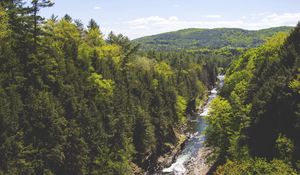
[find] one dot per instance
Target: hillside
(208, 38)
(206, 101)
(256, 116)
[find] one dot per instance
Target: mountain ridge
(193, 38)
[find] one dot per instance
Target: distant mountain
(208, 38)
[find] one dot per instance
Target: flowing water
(195, 142)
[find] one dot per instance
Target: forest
(195, 39)
(256, 118)
(74, 102)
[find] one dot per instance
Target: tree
(4, 31)
(76, 152)
(93, 25)
(68, 18)
(163, 70)
(80, 104)
(36, 7)
(220, 126)
(262, 91)
(256, 166)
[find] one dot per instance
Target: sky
(138, 18)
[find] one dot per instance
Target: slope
(208, 38)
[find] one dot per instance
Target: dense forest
(74, 102)
(254, 124)
(208, 39)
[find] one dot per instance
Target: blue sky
(137, 18)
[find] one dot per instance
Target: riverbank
(195, 166)
(183, 137)
(192, 158)
(168, 158)
(198, 165)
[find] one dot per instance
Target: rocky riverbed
(192, 158)
(198, 165)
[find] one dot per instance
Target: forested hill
(254, 125)
(208, 38)
(73, 102)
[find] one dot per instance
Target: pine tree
(36, 7)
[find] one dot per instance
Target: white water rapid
(195, 142)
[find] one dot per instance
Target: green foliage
(191, 39)
(144, 137)
(94, 37)
(103, 88)
(163, 70)
(220, 126)
(255, 166)
(261, 94)
(76, 152)
(295, 83)
(93, 25)
(112, 52)
(74, 103)
(3, 24)
(181, 106)
(285, 147)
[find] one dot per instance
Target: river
(190, 153)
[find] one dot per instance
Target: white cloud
(155, 24)
(147, 20)
(212, 16)
(173, 18)
(97, 8)
(281, 19)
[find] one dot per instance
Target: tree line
(254, 125)
(75, 102)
